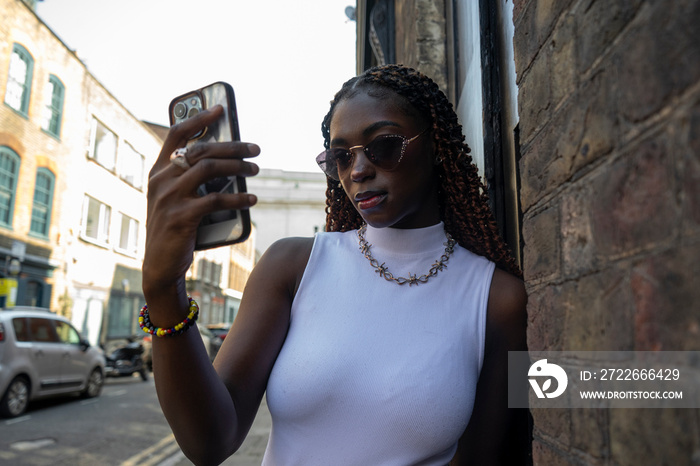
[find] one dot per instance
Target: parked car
(211, 342)
(43, 355)
(219, 330)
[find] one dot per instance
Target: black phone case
(224, 227)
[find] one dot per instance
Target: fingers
(222, 150)
(182, 132)
(207, 169)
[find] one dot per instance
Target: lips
(369, 199)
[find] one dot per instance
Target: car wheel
(94, 384)
(14, 401)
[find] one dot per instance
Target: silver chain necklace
(412, 279)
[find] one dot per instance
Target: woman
(381, 341)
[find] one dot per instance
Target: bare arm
(210, 412)
(497, 435)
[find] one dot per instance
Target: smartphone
(227, 226)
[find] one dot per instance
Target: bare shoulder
(293, 248)
(507, 310)
(285, 260)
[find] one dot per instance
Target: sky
(284, 59)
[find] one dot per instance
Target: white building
(289, 204)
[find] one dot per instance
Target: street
(124, 426)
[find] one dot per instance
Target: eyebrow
(368, 130)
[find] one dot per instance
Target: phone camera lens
(180, 110)
(193, 111)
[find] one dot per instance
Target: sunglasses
(386, 152)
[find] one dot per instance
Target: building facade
(73, 180)
(585, 116)
(289, 204)
(73, 165)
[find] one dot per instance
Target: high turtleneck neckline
(407, 241)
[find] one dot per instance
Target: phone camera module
(193, 111)
(180, 110)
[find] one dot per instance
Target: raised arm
(209, 418)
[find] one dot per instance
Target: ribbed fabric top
(373, 373)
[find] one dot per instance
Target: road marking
(151, 456)
(173, 460)
(117, 393)
(17, 419)
(32, 444)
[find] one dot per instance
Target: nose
(361, 166)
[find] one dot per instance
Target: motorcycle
(126, 361)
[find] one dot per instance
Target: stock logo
(542, 369)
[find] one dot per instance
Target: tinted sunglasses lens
(327, 164)
(342, 159)
(385, 151)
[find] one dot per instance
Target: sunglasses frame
(321, 159)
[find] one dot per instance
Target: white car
(43, 355)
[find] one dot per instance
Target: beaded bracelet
(147, 326)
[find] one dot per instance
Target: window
(21, 329)
(9, 170)
(42, 330)
(66, 333)
(96, 217)
(128, 235)
(103, 145)
(33, 293)
(43, 198)
(19, 79)
(53, 106)
(131, 166)
(122, 316)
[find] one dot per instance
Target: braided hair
(463, 200)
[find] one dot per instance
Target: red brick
(690, 172)
(589, 432)
(666, 297)
(599, 313)
(534, 25)
(545, 455)
(562, 47)
(541, 252)
(654, 436)
(602, 22)
(548, 161)
(554, 423)
(658, 58)
(635, 206)
(578, 245)
(545, 327)
(535, 97)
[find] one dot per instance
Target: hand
(174, 207)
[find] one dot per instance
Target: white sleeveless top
(373, 373)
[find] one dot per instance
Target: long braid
(464, 206)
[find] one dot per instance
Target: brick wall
(609, 103)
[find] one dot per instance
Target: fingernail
(252, 199)
(253, 149)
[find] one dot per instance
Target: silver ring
(179, 158)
